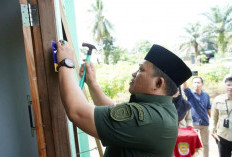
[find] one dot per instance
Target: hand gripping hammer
(81, 84)
(91, 47)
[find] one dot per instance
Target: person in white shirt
(222, 119)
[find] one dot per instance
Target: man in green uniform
(146, 126)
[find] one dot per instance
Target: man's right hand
(185, 85)
(99, 98)
(215, 136)
(90, 78)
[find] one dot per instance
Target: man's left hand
(64, 50)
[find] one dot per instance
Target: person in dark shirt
(182, 105)
(200, 110)
(147, 125)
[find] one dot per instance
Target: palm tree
(192, 39)
(209, 39)
(101, 25)
(108, 48)
(101, 29)
(221, 24)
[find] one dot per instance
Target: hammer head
(90, 46)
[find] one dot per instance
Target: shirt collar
(226, 97)
(197, 93)
(151, 98)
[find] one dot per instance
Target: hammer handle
(82, 81)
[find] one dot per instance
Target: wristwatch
(69, 63)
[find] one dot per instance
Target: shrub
(114, 79)
(214, 74)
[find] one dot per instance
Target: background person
(187, 121)
(147, 125)
(200, 110)
(183, 110)
(222, 119)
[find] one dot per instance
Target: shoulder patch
(122, 112)
(140, 111)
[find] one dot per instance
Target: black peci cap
(169, 63)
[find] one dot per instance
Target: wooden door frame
(49, 114)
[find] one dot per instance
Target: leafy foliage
(142, 46)
(114, 79)
(101, 25)
(220, 21)
(118, 54)
(215, 35)
(192, 39)
(101, 28)
(107, 48)
(138, 52)
(214, 73)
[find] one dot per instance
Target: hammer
(91, 47)
(81, 84)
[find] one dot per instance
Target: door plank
(29, 51)
(57, 112)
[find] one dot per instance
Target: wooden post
(57, 112)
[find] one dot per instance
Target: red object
(187, 142)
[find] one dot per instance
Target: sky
(158, 21)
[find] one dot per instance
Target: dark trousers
(225, 147)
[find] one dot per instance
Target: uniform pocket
(222, 109)
(221, 106)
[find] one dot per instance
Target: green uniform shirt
(145, 127)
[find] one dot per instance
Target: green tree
(107, 48)
(141, 48)
(101, 25)
(101, 29)
(209, 39)
(118, 54)
(220, 23)
(192, 39)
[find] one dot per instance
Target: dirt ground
(213, 149)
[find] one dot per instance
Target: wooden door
(49, 115)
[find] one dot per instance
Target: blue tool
(54, 53)
(91, 47)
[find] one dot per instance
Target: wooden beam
(76, 140)
(29, 50)
(57, 112)
(43, 89)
